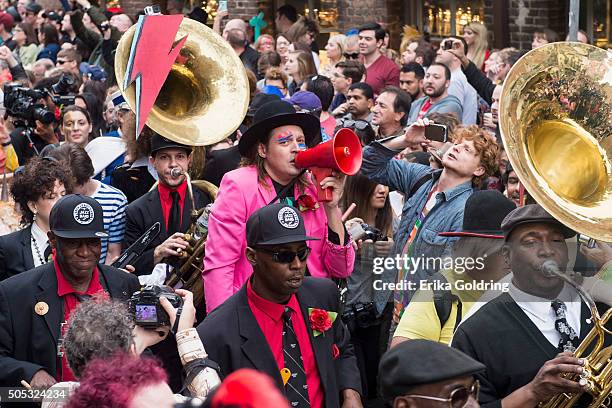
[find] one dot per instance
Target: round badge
(83, 214)
(288, 218)
(41, 308)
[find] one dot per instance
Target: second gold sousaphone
(556, 124)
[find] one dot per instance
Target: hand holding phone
(222, 5)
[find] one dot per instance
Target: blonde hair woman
(475, 35)
(299, 66)
(335, 49)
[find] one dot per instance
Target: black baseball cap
(77, 216)
(276, 224)
(159, 142)
(418, 362)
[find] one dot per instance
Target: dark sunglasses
(458, 397)
(356, 124)
(353, 55)
(287, 256)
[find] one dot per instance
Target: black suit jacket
(16, 253)
(502, 337)
(146, 211)
(233, 339)
(28, 341)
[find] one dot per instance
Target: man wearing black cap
(35, 305)
(269, 148)
(423, 374)
(436, 311)
(169, 204)
(526, 337)
(282, 323)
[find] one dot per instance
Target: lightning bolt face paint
(152, 54)
(288, 136)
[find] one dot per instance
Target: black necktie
(296, 388)
(174, 220)
(47, 253)
(569, 338)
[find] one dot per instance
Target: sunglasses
(458, 397)
(353, 55)
(356, 124)
(286, 257)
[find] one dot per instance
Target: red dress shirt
(67, 292)
(269, 316)
(166, 200)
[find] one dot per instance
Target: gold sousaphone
(203, 100)
(556, 124)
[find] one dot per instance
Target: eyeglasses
(458, 397)
(356, 124)
(286, 257)
(353, 55)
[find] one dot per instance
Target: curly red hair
(486, 146)
(111, 383)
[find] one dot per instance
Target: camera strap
(176, 321)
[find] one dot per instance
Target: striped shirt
(113, 204)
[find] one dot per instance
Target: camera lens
(41, 114)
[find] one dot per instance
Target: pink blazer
(226, 267)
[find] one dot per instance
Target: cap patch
(288, 218)
(83, 213)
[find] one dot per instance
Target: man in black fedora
(283, 323)
(435, 311)
(35, 305)
(268, 149)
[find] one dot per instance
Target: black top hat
(276, 224)
(276, 114)
(417, 362)
(483, 215)
(259, 100)
(159, 142)
(77, 216)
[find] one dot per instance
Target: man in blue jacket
(434, 202)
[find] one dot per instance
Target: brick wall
(526, 16)
(133, 7)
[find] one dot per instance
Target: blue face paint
(302, 146)
(284, 139)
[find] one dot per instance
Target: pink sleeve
(225, 244)
(338, 260)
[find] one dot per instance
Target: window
(446, 17)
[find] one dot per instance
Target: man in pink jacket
(269, 148)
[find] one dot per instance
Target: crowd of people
(418, 283)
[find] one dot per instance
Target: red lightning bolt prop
(152, 54)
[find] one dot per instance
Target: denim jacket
(446, 215)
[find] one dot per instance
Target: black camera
(447, 45)
(64, 85)
(144, 306)
(363, 231)
(360, 315)
(21, 103)
(104, 26)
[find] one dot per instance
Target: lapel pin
(41, 308)
(285, 375)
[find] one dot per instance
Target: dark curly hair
(98, 328)
(37, 179)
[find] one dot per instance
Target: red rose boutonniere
(320, 320)
(306, 202)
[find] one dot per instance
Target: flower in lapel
(307, 202)
(320, 320)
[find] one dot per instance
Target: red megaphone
(342, 153)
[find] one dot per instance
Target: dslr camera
(364, 231)
(360, 315)
(144, 306)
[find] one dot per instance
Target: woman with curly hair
(35, 190)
